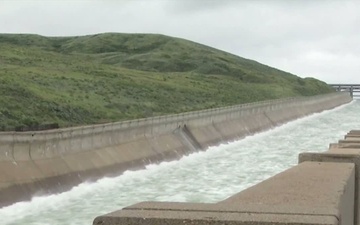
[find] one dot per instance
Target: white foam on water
(208, 176)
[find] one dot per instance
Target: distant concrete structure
(323, 189)
(353, 89)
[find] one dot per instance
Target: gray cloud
(307, 38)
(190, 6)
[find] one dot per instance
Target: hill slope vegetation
(111, 77)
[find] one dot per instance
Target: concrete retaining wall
(53, 161)
(323, 189)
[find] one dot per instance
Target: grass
(111, 77)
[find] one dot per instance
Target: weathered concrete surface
(351, 140)
(156, 217)
(310, 193)
(349, 135)
(340, 153)
(348, 145)
(52, 161)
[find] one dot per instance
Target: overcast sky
(305, 37)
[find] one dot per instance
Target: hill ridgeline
(112, 77)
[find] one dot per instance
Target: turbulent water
(208, 176)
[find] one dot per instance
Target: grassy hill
(110, 77)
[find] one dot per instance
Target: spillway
(208, 176)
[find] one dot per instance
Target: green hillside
(110, 77)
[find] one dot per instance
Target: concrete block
(173, 217)
(350, 141)
(339, 149)
(340, 155)
(352, 136)
(345, 145)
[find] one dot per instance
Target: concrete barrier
(322, 189)
(340, 153)
(51, 161)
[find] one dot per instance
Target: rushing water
(208, 176)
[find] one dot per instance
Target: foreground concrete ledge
(349, 135)
(352, 136)
(350, 141)
(349, 145)
(340, 155)
(339, 150)
(309, 193)
(156, 217)
(344, 145)
(308, 188)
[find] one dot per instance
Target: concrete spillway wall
(35, 163)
